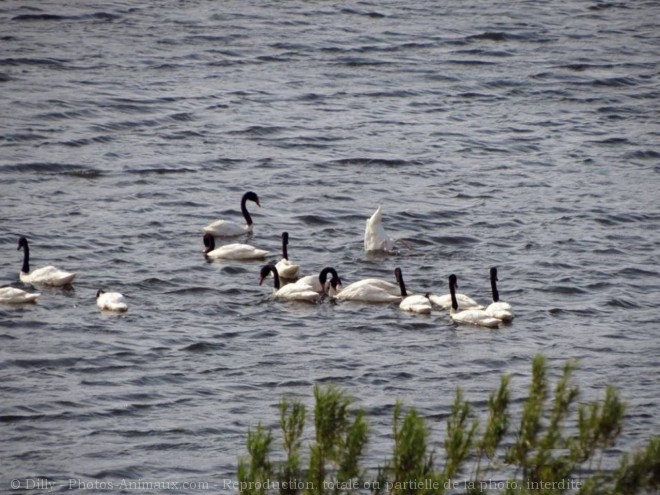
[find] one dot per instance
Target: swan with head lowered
(48, 275)
(12, 295)
(320, 282)
(414, 303)
(286, 268)
(227, 228)
(370, 290)
(298, 291)
(111, 301)
(234, 251)
(476, 317)
(375, 237)
(463, 301)
(498, 309)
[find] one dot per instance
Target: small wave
(40, 17)
(203, 347)
(314, 220)
(48, 62)
(260, 130)
(371, 13)
(624, 218)
(54, 168)
(642, 155)
(379, 162)
(620, 302)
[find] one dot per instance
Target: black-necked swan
(228, 228)
(12, 295)
(472, 316)
(375, 237)
(298, 291)
(445, 301)
(285, 267)
(498, 309)
(234, 251)
(48, 275)
(111, 301)
(415, 303)
(320, 282)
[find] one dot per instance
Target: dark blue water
(523, 136)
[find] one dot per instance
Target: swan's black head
(22, 243)
(334, 281)
(265, 270)
(209, 243)
(453, 281)
(251, 196)
(493, 273)
(285, 237)
(99, 292)
(397, 274)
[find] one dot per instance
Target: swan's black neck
(493, 285)
(285, 242)
(276, 276)
(209, 243)
(22, 243)
(452, 292)
(252, 197)
(323, 277)
(399, 278)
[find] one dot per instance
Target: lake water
(519, 136)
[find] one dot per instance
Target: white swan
(286, 268)
(291, 292)
(370, 290)
(235, 251)
(111, 301)
(464, 302)
(414, 303)
(472, 316)
(48, 275)
(12, 295)
(375, 238)
(227, 228)
(498, 309)
(320, 282)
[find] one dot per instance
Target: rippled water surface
(523, 137)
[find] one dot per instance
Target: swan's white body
(370, 290)
(498, 309)
(475, 317)
(234, 251)
(237, 251)
(412, 303)
(464, 302)
(298, 291)
(375, 237)
(287, 269)
(12, 295)
(227, 228)
(312, 281)
(111, 301)
(417, 304)
(48, 275)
